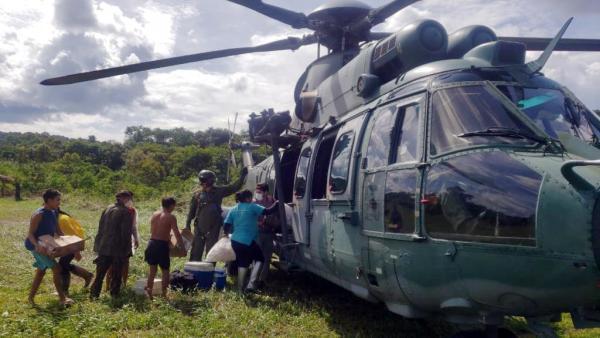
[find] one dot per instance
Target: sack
(181, 280)
(221, 252)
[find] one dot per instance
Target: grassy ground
(295, 305)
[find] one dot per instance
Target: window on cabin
(319, 175)
(302, 173)
(482, 197)
(473, 115)
(378, 150)
(399, 210)
(406, 135)
(340, 164)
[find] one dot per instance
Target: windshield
(474, 115)
(551, 111)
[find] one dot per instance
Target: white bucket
(140, 285)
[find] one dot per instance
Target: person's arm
(136, 236)
(33, 226)
(228, 223)
(177, 233)
(192, 212)
(126, 225)
(100, 233)
(227, 190)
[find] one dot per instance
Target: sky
(48, 38)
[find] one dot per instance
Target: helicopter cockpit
(552, 111)
(472, 109)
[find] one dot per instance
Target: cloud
(42, 38)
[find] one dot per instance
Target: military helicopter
(439, 174)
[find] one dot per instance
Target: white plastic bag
(221, 252)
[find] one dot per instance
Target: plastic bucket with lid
(203, 273)
(220, 278)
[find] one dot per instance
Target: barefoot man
(162, 223)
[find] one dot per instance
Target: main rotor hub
(339, 13)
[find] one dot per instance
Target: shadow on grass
(346, 314)
(187, 304)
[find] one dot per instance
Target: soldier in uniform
(205, 211)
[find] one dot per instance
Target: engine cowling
(413, 45)
(467, 38)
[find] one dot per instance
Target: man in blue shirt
(243, 220)
(44, 221)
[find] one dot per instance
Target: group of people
(252, 224)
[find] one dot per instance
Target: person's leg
(267, 250)
(197, 245)
(83, 273)
(35, 284)
(213, 236)
(256, 256)
(165, 282)
(108, 278)
(117, 279)
(125, 271)
(150, 282)
(103, 263)
(65, 271)
(243, 262)
(57, 277)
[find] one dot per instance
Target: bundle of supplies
(62, 245)
(181, 251)
(221, 252)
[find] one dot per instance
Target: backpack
(182, 280)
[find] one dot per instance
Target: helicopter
(439, 174)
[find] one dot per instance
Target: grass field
(295, 305)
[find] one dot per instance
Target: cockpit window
(473, 115)
(551, 111)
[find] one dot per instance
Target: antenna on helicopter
(537, 65)
(231, 159)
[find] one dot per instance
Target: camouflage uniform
(205, 211)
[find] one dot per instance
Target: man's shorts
(42, 262)
(157, 253)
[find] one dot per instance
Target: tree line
(151, 162)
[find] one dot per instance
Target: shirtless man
(162, 223)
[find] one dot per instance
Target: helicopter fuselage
(445, 193)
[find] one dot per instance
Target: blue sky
(44, 38)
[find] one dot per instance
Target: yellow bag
(70, 226)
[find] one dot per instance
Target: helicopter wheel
(499, 333)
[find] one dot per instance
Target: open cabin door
(301, 198)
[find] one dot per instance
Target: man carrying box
(157, 252)
(113, 244)
(45, 222)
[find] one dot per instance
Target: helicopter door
(392, 176)
(320, 233)
(347, 242)
(301, 217)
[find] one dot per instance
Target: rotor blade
(291, 43)
(378, 35)
(294, 19)
(570, 45)
(380, 14)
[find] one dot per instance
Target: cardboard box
(174, 250)
(62, 245)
